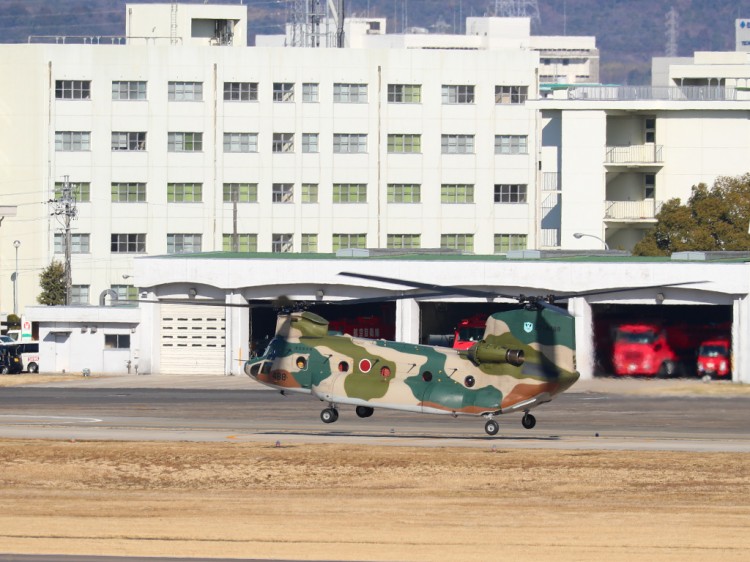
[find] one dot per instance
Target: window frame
(511, 144)
(283, 92)
(180, 142)
(404, 143)
(350, 143)
(282, 143)
(184, 192)
(128, 141)
(240, 91)
(282, 192)
(511, 95)
(184, 243)
(505, 242)
(73, 90)
(132, 192)
(457, 144)
(457, 193)
(282, 243)
(129, 90)
(349, 93)
(461, 242)
(132, 243)
(349, 193)
(247, 242)
(458, 94)
(240, 143)
(184, 91)
(403, 93)
(72, 141)
(511, 193)
(398, 193)
(232, 192)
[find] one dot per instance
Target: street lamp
(16, 244)
(581, 235)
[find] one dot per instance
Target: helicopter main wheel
(364, 411)
(492, 427)
(528, 421)
(329, 415)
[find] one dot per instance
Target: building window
(283, 142)
(401, 144)
(185, 91)
(309, 244)
(128, 243)
(349, 143)
(79, 294)
(463, 242)
(310, 142)
(184, 243)
(309, 192)
(239, 243)
(125, 192)
(650, 130)
(456, 193)
(404, 241)
(511, 144)
(240, 193)
(504, 243)
(125, 292)
(128, 90)
(79, 243)
(342, 241)
(404, 93)
(240, 142)
(240, 91)
(184, 192)
(457, 144)
(404, 193)
(283, 91)
(457, 94)
(185, 142)
(649, 186)
(282, 193)
(80, 191)
(116, 341)
(350, 193)
(73, 89)
(310, 92)
(510, 193)
(128, 141)
(281, 243)
(72, 141)
(350, 93)
(511, 94)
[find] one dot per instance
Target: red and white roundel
(365, 365)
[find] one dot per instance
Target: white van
(29, 353)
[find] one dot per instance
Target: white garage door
(192, 339)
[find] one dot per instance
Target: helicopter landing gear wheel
(364, 411)
(528, 420)
(329, 415)
(492, 427)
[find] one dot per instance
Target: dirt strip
(339, 502)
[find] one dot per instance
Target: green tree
(52, 281)
(713, 219)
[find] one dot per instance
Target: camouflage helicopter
(525, 359)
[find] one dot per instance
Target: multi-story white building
(180, 138)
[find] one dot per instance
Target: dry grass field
(343, 502)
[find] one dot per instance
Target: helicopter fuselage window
(301, 362)
(427, 376)
(469, 381)
(343, 366)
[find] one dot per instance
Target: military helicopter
(525, 359)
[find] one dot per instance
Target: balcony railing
(631, 210)
(673, 93)
(634, 154)
(550, 181)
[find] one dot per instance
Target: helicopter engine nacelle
(483, 352)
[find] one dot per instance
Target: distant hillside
(628, 32)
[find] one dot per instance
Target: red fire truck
(714, 358)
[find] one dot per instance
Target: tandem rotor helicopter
(526, 358)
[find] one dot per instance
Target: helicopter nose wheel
(492, 427)
(329, 415)
(528, 420)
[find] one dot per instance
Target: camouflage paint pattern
(340, 369)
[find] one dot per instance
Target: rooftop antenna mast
(317, 23)
(519, 9)
(672, 22)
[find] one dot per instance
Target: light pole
(581, 235)
(16, 244)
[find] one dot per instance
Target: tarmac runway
(595, 415)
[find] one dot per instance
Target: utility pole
(65, 210)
